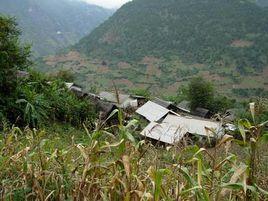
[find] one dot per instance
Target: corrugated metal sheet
(129, 102)
(125, 101)
(184, 106)
(152, 111)
(174, 127)
(111, 97)
(69, 84)
(164, 132)
(196, 125)
(161, 102)
(201, 112)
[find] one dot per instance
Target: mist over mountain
(50, 25)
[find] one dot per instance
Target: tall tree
(201, 93)
(13, 55)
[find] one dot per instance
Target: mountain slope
(161, 44)
(53, 24)
(198, 31)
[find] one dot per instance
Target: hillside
(203, 31)
(161, 44)
(53, 24)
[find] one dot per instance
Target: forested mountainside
(198, 31)
(161, 44)
(53, 24)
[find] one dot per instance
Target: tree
(201, 93)
(13, 55)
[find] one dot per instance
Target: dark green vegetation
(161, 44)
(230, 32)
(33, 100)
(53, 24)
(201, 93)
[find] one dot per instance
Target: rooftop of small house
(112, 97)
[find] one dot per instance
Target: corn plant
(39, 165)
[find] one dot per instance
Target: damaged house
(168, 127)
(173, 128)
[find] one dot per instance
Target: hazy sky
(108, 3)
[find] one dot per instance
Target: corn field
(38, 165)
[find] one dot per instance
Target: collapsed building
(166, 126)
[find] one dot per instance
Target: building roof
(174, 128)
(201, 112)
(152, 111)
(111, 97)
(194, 125)
(137, 96)
(161, 102)
(184, 106)
(164, 132)
(75, 88)
(105, 106)
(69, 84)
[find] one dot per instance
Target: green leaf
(264, 124)
(130, 137)
(264, 137)
(190, 189)
(238, 186)
(242, 129)
(233, 186)
(264, 192)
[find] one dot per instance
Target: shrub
(41, 101)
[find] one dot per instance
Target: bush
(201, 93)
(41, 101)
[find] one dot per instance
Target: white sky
(108, 3)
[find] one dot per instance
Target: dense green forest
(53, 24)
(230, 32)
